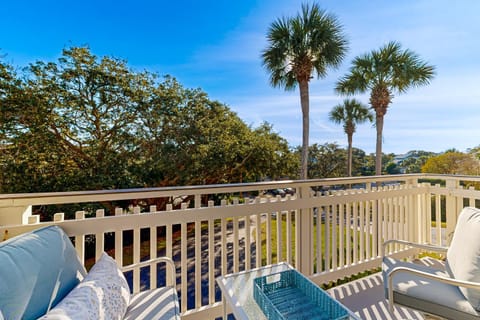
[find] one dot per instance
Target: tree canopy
(85, 123)
(452, 162)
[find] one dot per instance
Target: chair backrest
(463, 256)
(37, 269)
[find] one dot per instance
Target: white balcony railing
(219, 229)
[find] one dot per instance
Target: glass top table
(237, 291)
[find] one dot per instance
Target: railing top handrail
(143, 193)
(455, 177)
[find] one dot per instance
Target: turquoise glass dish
(290, 295)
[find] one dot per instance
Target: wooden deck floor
(365, 297)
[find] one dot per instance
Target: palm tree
(299, 47)
(384, 72)
(350, 113)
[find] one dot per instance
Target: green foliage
(282, 163)
(452, 162)
(85, 123)
(392, 168)
(415, 161)
(300, 46)
(326, 161)
(329, 161)
(362, 164)
(390, 67)
(349, 114)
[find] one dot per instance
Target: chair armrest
(455, 282)
(168, 262)
(413, 244)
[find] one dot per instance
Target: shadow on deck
(366, 298)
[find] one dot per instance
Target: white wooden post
(13, 215)
(451, 209)
(304, 236)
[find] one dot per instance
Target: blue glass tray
(290, 295)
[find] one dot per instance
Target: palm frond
(350, 113)
(389, 66)
(303, 46)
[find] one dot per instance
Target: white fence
(228, 228)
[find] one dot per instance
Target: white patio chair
(453, 293)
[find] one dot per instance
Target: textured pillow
(103, 294)
(463, 256)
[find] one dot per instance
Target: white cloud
(435, 117)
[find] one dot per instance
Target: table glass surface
(237, 290)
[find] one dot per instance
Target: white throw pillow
(103, 294)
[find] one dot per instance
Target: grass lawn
(273, 243)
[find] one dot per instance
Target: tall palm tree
(299, 47)
(350, 113)
(383, 72)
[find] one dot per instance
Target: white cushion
(463, 256)
(159, 304)
(103, 294)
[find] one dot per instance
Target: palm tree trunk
(304, 101)
(350, 155)
(378, 155)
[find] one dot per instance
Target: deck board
(365, 297)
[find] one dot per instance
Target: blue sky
(216, 46)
